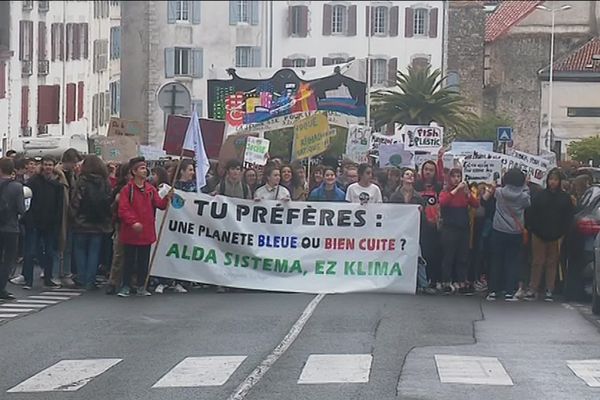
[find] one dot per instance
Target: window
(299, 62)
(247, 57)
(101, 9)
(182, 61)
(420, 21)
(420, 62)
(71, 102)
(583, 112)
(26, 40)
(380, 20)
(70, 46)
(115, 97)
(115, 43)
(242, 11)
(453, 81)
(183, 11)
(298, 21)
(48, 104)
(100, 55)
(42, 41)
(43, 6)
(379, 72)
(338, 19)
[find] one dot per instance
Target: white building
(56, 73)
(190, 42)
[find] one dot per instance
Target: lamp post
(553, 12)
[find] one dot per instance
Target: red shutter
(2, 79)
(433, 22)
(408, 22)
(21, 43)
(70, 103)
(76, 42)
(24, 106)
(48, 104)
(394, 11)
(351, 21)
(42, 41)
(303, 21)
(327, 19)
(392, 69)
(84, 26)
(80, 100)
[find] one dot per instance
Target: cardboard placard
(256, 151)
(116, 148)
(311, 136)
(358, 143)
(122, 127)
(395, 155)
(422, 138)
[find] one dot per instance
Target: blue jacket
(318, 194)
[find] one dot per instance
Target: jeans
(455, 245)
(8, 255)
(86, 250)
(43, 244)
(507, 251)
(69, 264)
(135, 260)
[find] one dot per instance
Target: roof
(506, 15)
(580, 59)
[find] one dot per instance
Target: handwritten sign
(357, 143)
(116, 148)
(535, 169)
(311, 136)
(394, 155)
(425, 138)
(482, 171)
(121, 127)
(257, 150)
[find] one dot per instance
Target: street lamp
(552, 11)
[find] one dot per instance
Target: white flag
(193, 141)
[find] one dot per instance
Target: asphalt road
(274, 346)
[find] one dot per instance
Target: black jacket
(45, 212)
(550, 215)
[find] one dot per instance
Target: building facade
(189, 42)
(56, 73)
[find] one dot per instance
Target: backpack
(4, 204)
(95, 205)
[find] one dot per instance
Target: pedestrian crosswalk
(317, 369)
(35, 303)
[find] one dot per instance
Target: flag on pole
(193, 141)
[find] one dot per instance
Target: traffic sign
(504, 133)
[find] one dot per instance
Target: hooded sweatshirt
(430, 192)
(550, 215)
(511, 202)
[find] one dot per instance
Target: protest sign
(116, 148)
(482, 171)
(121, 127)
(311, 136)
(151, 153)
(394, 155)
(212, 135)
(465, 148)
(357, 143)
(536, 170)
(447, 159)
(296, 247)
(424, 138)
(234, 148)
(257, 150)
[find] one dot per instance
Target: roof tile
(580, 60)
(507, 14)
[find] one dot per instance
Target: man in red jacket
(138, 201)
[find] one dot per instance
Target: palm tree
(419, 98)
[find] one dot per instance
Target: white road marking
(258, 372)
(586, 370)
(17, 310)
(49, 297)
(336, 368)
(8, 315)
(66, 375)
(201, 371)
(61, 293)
(68, 290)
(472, 370)
(25, 305)
(46, 302)
(568, 306)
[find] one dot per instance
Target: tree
(586, 149)
(486, 128)
(420, 98)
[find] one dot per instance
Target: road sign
(174, 98)
(505, 134)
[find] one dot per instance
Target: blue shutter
(234, 16)
(118, 42)
(197, 65)
(195, 6)
(118, 105)
(169, 62)
(255, 53)
(254, 12)
(171, 12)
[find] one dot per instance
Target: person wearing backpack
(91, 218)
(232, 185)
(12, 205)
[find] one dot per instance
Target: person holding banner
(138, 202)
(272, 190)
(364, 191)
(328, 190)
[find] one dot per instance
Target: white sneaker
(160, 289)
(179, 289)
(67, 281)
(520, 294)
(56, 281)
(19, 280)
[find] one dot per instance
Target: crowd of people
(81, 218)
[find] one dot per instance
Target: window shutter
(392, 69)
(327, 15)
(118, 42)
(327, 61)
(84, 27)
(76, 42)
(351, 31)
(368, 21)
(370, 65)
(433, 22)
(195, 5)
(169, 62)
(95, 111)
(106, 108)
(234, 15)
(171, 12)
(80, 99)
(2, 80)
(24, 106)
(53, 39)
(100, 106)
(394, 12)
(290, 20)
(69, 39)
(30, 29)
(303, 21)
(197, 63)
(256, 58)
(42, 40)
(48, 104)
(287, 62)
(61, 51)
(21, 37)
(70, 102)
(254, 16)
(408, 22)
(118, 97)
(311, 62)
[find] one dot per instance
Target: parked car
(583, 251)
(591, 171)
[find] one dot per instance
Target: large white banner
(290, 246)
